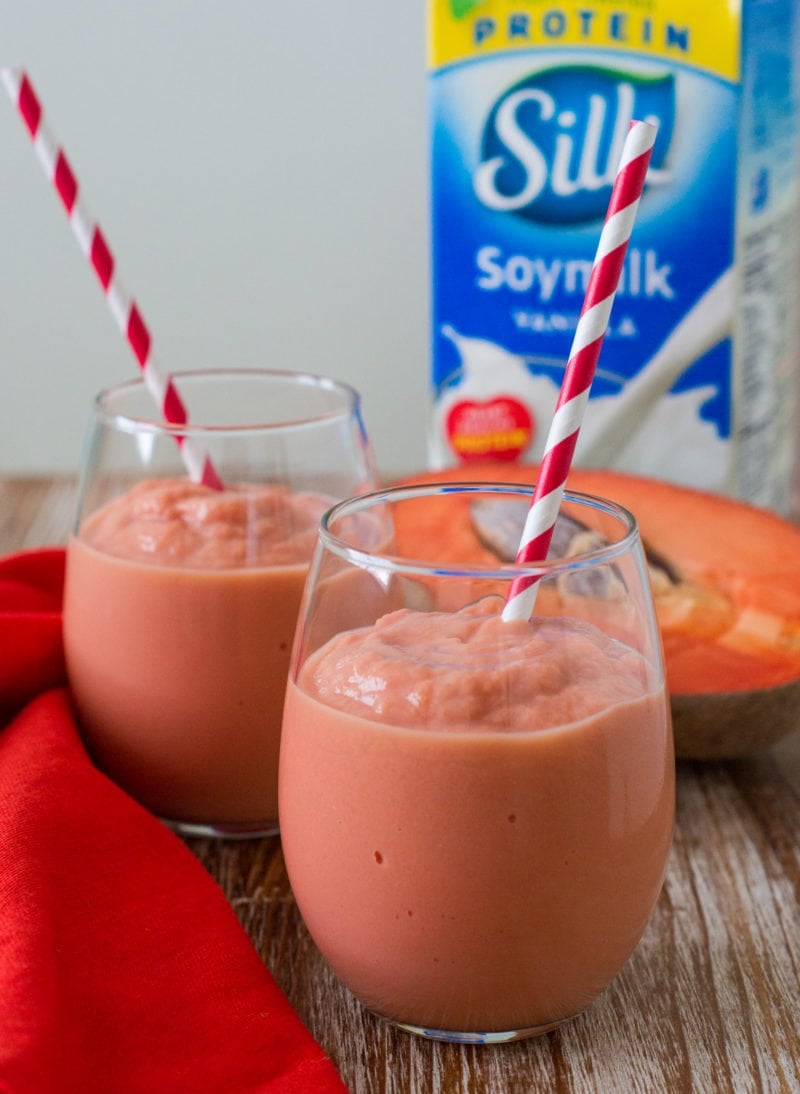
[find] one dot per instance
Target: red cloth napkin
(122, 966)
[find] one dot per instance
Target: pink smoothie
(476, 815)
(179, 615)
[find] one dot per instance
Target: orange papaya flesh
(729, 611)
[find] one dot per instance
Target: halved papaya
(726, 579)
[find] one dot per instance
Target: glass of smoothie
(476, 814)
(181, 598)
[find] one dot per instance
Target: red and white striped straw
(584, 353)
(93, 244)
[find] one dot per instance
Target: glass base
(223, 830)
(491, 1037)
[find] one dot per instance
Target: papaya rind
(732, 724)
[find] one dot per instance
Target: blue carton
(529, 106)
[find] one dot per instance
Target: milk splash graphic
(492, 376)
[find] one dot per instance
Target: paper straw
(584, 353)
(93, 244)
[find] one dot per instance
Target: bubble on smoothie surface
(472, 670)
(175, 521)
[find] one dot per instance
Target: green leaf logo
(464, 7)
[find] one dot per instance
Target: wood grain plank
(36, 512)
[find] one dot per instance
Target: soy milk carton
(530, 103)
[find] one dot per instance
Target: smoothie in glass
(476, 814)
(180, 608)
(494, 862)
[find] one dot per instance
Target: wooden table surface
(710, 1001)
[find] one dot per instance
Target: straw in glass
(581, 365)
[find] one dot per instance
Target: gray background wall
(260, 172)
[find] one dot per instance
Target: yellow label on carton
(696, 33)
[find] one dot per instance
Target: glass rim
(503, 571)
(154, 423)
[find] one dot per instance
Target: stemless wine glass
(476, 814)
(181, 598)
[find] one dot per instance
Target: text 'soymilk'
(530, 103)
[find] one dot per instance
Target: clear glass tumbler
(181, 598)
(476, 814)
